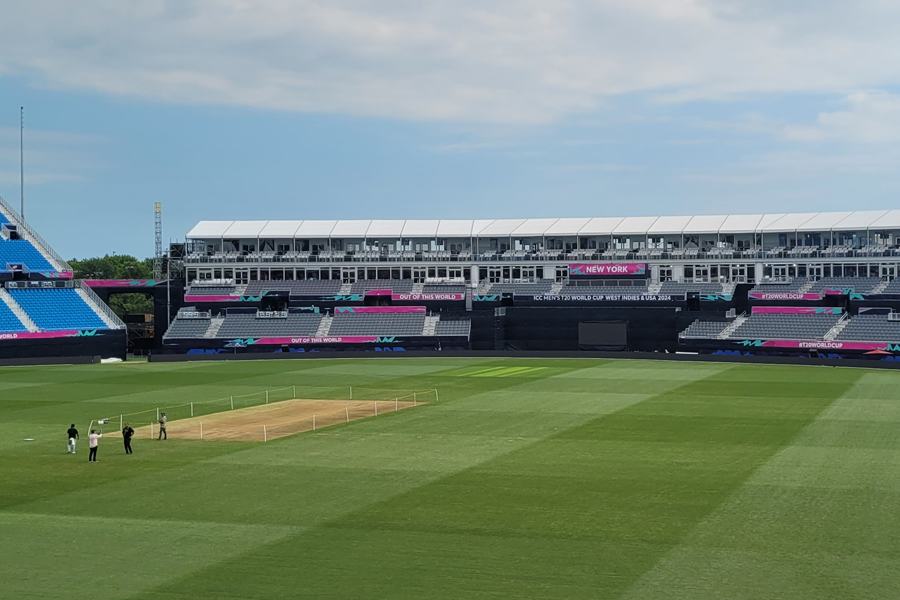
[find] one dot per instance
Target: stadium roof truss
(562, 227)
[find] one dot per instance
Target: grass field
(528, 479)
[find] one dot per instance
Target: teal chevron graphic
(857, 296)
(750, 343)
(893, 348)
(383, 339)
(251, 298)
(491, 298)
(828, 311)
(345, 309)
(308, 309)
(347, 297)
(641, 270)
(725, 297)
(85, 333)
(240, 342)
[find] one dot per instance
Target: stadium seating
(870, 328)
(705, 329)
(307, 287)
(9, 322)
(462, 327)
(860, 285)
(790, 287)
(524, 289)
(57, 309)
(188, 323)
(444, 288)
(377, 324)
(208, 290)
(678, 288)
(786, 326)
(893, 287)
(249, 325)
(400, 286)
(607, 286)
(22, 251)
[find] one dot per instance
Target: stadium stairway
(18, 311)
(215, 325)
(324, 326)
(728, 331)
(838, 328)
(98, 307)
(430, 325)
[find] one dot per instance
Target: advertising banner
(201, 298)
(608, 269)
(123, 282)
(822, 345)
(281, 341)
(576, 298)
(43, 335)
(795, 310)
(783, 296)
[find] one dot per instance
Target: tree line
(118, 266)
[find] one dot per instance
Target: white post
(192, 409)
(201, 430)
(314, 422)
(396, 404)
(436, 397)
(157, 413)
(376, 408)
(348, 413)
(232, 403)
(267, 396)
(265, 435)
(121, 424)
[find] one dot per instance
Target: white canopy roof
(597, 226)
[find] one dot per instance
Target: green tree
(118, 266)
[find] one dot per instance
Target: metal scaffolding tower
(158, 257)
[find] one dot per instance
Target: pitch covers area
(520, 479)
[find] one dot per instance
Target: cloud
(479, 61)
(50, 156)
(869, 117)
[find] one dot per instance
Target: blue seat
(21, 251)
(58, 309)
(9, 322)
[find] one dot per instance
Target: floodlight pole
(22, 161)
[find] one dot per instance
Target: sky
(308, 109)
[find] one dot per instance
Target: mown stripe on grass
(817, 520)
(396, 548)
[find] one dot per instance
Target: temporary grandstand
(39, 301)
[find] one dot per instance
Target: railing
(17, 218)
(560, 256)
(113, 317)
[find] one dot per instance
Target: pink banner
(379, 292)
(360, 339)
(829, 345)
(40, 335)
(427, 296)
(783, 296)
(608, 269)
(795, 310)
(123, 282)
(380, 309)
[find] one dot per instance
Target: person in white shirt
(93, 442)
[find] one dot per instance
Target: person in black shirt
(127, 432)
(73, 435)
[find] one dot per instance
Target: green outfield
(527, 479)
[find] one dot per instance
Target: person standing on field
(73, 435)
(93, 442)
(162, 427)
(127, 432)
